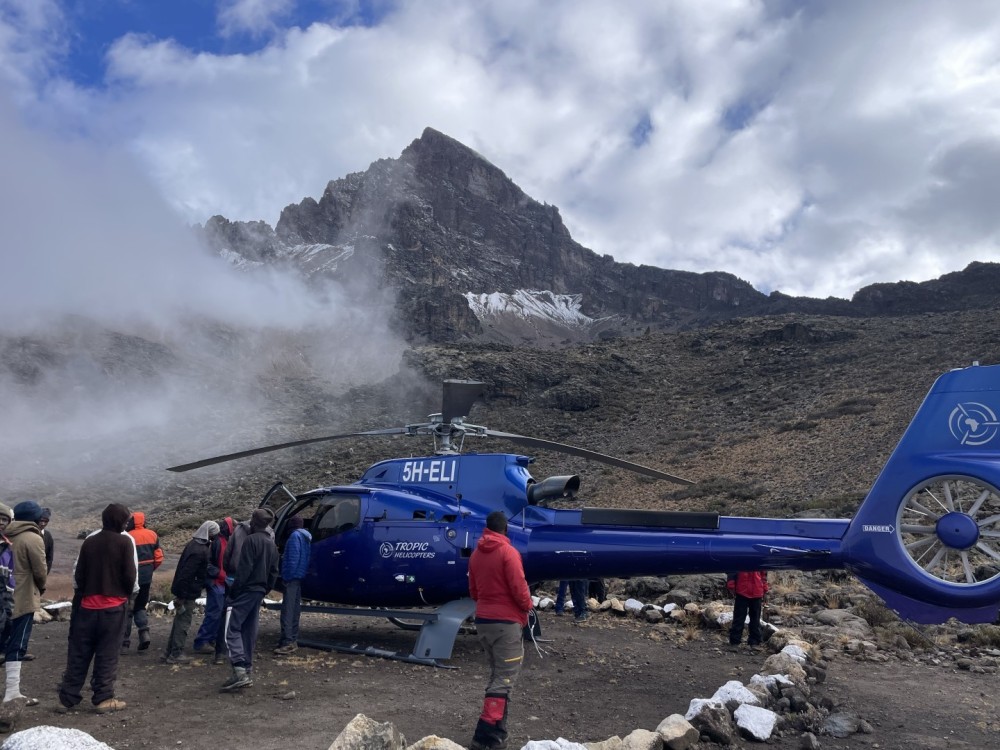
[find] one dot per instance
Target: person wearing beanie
(50, 544)
(189, 580)
(211, 635)
(105, 577)
(294, 566)
(254, 574)
(29, 583)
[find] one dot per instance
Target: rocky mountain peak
(470, 256)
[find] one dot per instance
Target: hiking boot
(578, 619)
(204, 648)
(109, 706)
(143, 639)
(239, 680)
(287, 650)
(177, 659)
(71, 710)
(220, 659)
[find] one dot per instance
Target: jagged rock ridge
(475, 258)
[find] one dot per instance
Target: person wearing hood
(503, 601)
(294, 566)
(211, 635)
(105, 579)
(254, 574)
(30, 573)
(189, 580)
(149, 557)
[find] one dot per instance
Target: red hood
(139, 519)
(491, 541)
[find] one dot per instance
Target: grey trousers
(182, 623)
(505, 651)
(241, 634)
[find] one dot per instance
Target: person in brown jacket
(30, 573)
(105, 577)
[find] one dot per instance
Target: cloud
(253, 17)
(802, 147)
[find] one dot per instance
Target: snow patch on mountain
(563, 309)
(237, 260)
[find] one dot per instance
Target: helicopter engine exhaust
(553, 488)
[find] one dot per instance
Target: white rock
(768, 680)
(669, 607)
(796, 652)
(697, 704)
(633, 605)
(734, 692)
(556, 744)
(758, 722)
(544, 602)
(46, 738)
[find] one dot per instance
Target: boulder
(642, 739)
(677, 733)
(611, 743)
(362, 733)
(733, 694)
(712, 720)
(433, 742)
(755, 722)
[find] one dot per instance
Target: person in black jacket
(50, 545)
(189, 580)
(105, 576)
(255, 573)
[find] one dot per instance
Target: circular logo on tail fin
(973, 424)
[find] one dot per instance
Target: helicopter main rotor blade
(279, 446)
(459, 396)
(584, 453)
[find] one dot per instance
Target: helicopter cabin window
(340, 514)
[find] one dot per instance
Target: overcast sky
(810, 147)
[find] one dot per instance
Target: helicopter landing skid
(435, 641)
(382, 653)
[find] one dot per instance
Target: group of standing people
(236, 563)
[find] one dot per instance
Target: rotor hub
(957, 530)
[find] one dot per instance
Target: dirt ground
(605, 678)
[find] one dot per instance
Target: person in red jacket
(748, 588)
(503, 601)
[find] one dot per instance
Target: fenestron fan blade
(584, 453)
(459, 396)
(279, 446)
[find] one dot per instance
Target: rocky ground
(767, 416)
(895, 687)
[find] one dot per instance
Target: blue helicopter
(926, 539)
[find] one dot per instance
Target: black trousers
(741, 607)
(95, 635)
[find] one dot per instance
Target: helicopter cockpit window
(337, 516)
